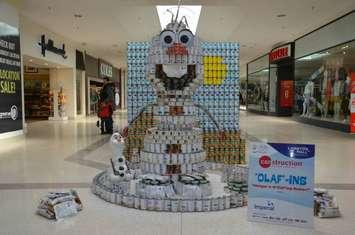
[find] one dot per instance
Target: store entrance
(44, 90)
(37, 95)
(95, 87)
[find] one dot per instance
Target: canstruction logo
(266, 162)
(12, 114)
(269, 205)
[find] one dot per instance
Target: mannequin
(307, 95)
(345, 103)
(337, 87)
(325, 100)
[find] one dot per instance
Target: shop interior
(322, 84)
(43, 98)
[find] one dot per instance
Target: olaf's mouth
(175, 76)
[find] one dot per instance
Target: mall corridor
(57, 155)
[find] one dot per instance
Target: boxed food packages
(56, 205)
(325, 204)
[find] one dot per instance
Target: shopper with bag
(107, 98)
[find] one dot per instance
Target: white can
(221, 203)
(151, 204)
(143, 203)
(227, 201)
(214, 206)
(174, 205)
(136, 202)
(167, 206)
(206, 204)
(191, 205)
(160, 204)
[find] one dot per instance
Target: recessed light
(78, 15)
(281, 15)
(344, 52)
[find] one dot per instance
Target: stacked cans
(218, 95)
(140, 92)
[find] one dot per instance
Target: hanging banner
(10, 79)
(281, 182)
(286, 94)
(352, 103)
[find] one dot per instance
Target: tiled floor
(56, 155)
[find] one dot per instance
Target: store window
(322, 84)
(258, 90)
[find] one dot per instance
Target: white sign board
(281, 183)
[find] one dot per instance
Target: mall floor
(63, 155)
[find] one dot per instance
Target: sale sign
(281, 183)
(352, 103)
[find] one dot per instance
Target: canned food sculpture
(171, 172)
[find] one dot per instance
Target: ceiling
(40, 63)
(107, 25)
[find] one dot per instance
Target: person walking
(107, 98)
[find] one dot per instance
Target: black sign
(10, 80)
(49, 46)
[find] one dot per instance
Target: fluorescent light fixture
(7, 30)
(192, 14)
(265, 70)
(314, 56)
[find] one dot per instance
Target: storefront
(324, 69)
(96, 70)
(270, 82)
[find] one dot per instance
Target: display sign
(281, 183)
(49, 46)
(286, 93)
(280, 53)
(105, 69)
(10, 79)
(352, 104)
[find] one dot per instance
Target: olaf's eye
(167, 37)
(186, 37)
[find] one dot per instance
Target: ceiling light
(281, 15)
(192, 14)
(31, 60)
(314, 56)
(7, 30)
(344, 52)
(345, 47)
(78, 16)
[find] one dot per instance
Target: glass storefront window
(258, 90)
(322, 83)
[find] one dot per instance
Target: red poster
(352, 103)
(286, 94)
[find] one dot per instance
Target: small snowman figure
(119, 171)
